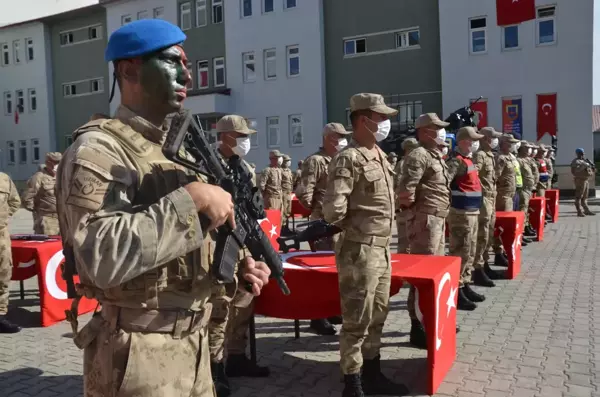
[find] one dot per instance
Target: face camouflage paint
(164, 77)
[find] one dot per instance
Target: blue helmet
(579, 150)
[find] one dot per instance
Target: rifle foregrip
(273, 260)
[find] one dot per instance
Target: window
(29, 45)
(20, 107)
(66, 38)
(253, 137)
(268, 6)
(68, 140)
(249, 67)
(32, 100)
(217, 11)
(270, 64)
(190, 84)
(273, 131)
(246, 6)
(69, 90)
(158, 12)
(478, 35)
(219, 70)
(17, 51)
(289, 4)
(408, 39)
(35, 148)
(546, 33)
(11, 152)
(202, 74)
(8, 103)
(5, 55)
(97, 85)
(201, 19)
(296, 135)
(293, 58)
(95, 32)
(22, 152)
(510, 37)
(125, 19)
(185, 16)
(355, 46)
(142, 14)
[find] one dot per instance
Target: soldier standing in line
(542, 165)
(463, 219)
(9, 204)
(533, 163)
(311, 191)
(550, 165)
(298, 174)
(485, 163)
(526, 191)
(287, 185)
(130, 220)
(360, 200)
(392, 159)
(424, 192)
(270, 183)
(39, 197)
(582, 169)
(403, 245)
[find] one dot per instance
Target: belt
(434, 212)
(376, 241)
(173, 322)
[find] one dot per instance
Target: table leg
(22, 286)
(252, 337)
(297, 329)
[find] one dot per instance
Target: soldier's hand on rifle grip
(255, 275)
(213, 202)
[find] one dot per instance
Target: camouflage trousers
(485, 233)
(463, 241)
(581, 194)
(286, 205)
(134, 364)
(237, 328)
(46, 225)
(524, 197)
(5, 269)
(403, 247)
(364, 275)
(426, 236)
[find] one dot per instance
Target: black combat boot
(220, 379)
(322, 327)
(549, 218)
(501, 259)
(417, 334)
(6, 327)
(472, 295)
(239, 365)
(337, 320)
(493, 274)
(352, 386)
(463, 302)
(375, 383)
(479, 277)
(529, 232)
(588, 213)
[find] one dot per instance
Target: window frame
(99, 32)
(286, 5)
(20, 97)
(8, 99)
(270, 144)
(187, 12)
(246, 61)
(11, 150)
(124, 18)
(289, 58)
(21, 159)
(291, 126)
(142, 12)
(201, 8)
(35, 144)
(474, 30)
(4, 50)
(355, 41)
(158, 12)
(30, 97)
(406, 33)
(100, 81)
(253, 137)
(29, 46)
(266, 59)
(264, 7)
(199, 70)
(242, 9)
(216, 4)
(539, 20)
(504, 47)
(16, 47)
(215, 68)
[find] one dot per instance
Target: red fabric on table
(537, 215)
(46, 258)
(298, 210)
(509, 227)
(552, 196)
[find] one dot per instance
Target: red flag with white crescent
(512, 12)
(546, 115)
(271, 226)
(480, 109)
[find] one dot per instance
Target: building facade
(27, 118)
(549, 55)
(275, 70)
(392, 49)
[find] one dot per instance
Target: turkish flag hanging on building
(546, 115)
(480, 109)
(511, 12)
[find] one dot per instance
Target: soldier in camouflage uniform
(403, 245)
(582, 170)
(360, 200)
(129, 219)
(270, 182)
(298, 174)
(9, 204)
(550, 164)
(40, 199)
(525, 193)
(311, 191)
(287, 186)
(392, 159)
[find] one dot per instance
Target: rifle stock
(314, 231)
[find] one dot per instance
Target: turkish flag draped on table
(512, 12)
(546, 115)
(480, 109)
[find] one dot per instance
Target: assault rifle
(187, 145)
(315, 230)
(463, 117)
(30, 237)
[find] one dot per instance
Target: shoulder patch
(88, 189)
(343, 173)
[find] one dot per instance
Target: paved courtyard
(533, 336)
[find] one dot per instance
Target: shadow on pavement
(25, 312)
(33, 382)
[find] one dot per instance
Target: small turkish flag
(271, 226)
(480, 109)
(512, 12)
(546, 115)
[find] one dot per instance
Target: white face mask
(383, 130)
(242, 146)
(513, 147)
(474, 146)
(342, 143)
(534, 152)
(445, 151)
(518, 145)
(55, 168)
(287, 164)
(441, 136)
(279, 160)
(529, 152)
(494, 143)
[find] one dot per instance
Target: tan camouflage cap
(54, 157)
(286, 158)
(544, 148)
(335, 128)
(235, 123)
(373, 102)
(428, 119)
(508, 138)
(409, 144)
(275, 153)
(490, 132)
(468, 133)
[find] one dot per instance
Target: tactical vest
(183, 282)
(466, 189)
(543, 169)
(518, 176)
(45, 199)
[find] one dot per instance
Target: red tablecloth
(537, 215)
(44, 259)
(509, 227)
(552, 196)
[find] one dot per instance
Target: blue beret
(142, 37)
(579, 150)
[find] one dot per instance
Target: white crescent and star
(546, 105)
(51, 268)
(450, 303)
(23, 265)
(273, 231)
